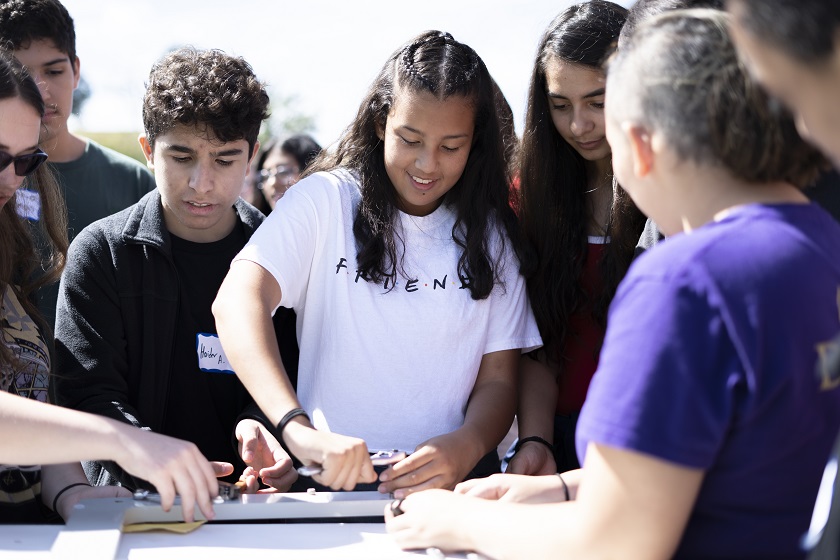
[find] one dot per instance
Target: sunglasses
(25, 164)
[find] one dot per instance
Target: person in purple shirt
(705, 430)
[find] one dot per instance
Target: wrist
(533, 440)
(64, 492)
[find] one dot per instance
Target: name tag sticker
(28, 205)
(211, 357)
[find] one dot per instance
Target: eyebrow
(186, 150)
(57, 61)
(449, 137)
(28, 150)
(597, 93)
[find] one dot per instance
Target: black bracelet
(65, 489)
(565, 486)
(285, 420)
(538, 439)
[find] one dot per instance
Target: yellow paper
(180, 528)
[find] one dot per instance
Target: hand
(74, 495)
(173, 466)
(533, 458)
(433, 518)
(345, 460)
(264, 456)
(440, 462)
(515, 488)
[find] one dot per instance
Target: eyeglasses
(25, 164)
(281, 172)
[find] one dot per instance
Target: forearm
(247, 334)
(55, 478)
(537, 399)
(38, 433)
(490, 409)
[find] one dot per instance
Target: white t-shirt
(393, 367)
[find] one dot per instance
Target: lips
(592, 144)
(422, 183)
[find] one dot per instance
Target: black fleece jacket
(116, 320)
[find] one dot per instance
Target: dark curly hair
(208, 88)
(436, 63)
(24, 21)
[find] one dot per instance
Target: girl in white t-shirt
(399, 254)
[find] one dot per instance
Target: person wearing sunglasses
(95, 181)
(35, 432)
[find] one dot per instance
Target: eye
(409, 142)
(560, 107)
(224, 162)
(55, 72)
(598, 105)
(181, 159)
(450, 150)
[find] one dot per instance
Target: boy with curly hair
(135, 337)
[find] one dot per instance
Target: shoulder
(103, 154)
(323, 190)
(112, 230)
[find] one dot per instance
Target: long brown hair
(21, 266)
(553, 206)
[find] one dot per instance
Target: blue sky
(325, 53)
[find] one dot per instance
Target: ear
(147, 151)
(76, 75)
(641, 148)
(380, 130)
(254, 152)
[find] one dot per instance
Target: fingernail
(384, 477)
(399, 494)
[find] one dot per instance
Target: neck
(64, 147)
(600, 195)
(705, 194)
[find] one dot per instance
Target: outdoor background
(317, 57)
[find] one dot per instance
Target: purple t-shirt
(710, 362)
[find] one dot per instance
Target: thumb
(221, 468)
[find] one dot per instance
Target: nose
(581, 123)
(42, 85)
(9, 180)
(427, 160)
(201, 179)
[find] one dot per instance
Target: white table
(93, 532)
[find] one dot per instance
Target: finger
(283, 482)
(220, 468)
(410, 478)
(248, 438)
(252, 484)
(433, 482)
(407, 465)
(467, 485)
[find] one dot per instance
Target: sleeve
(90, 345)
(285, 243)
(667, 375)
(511, 322)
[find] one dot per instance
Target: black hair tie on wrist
(538, 439)
(287, 418)
(63, 490)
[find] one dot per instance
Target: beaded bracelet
(65, 489)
